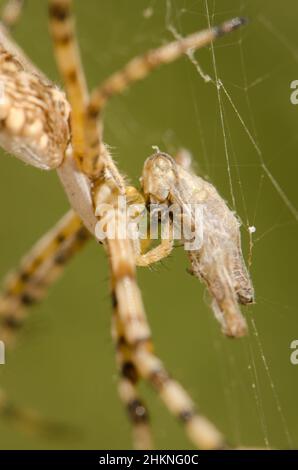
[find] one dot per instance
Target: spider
(50, 130)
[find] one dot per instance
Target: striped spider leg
(128, 305)
(37, 271)
(127, 389)
(135, 70)
(218, 260)
(22, 289)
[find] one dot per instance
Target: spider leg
(138, 69)
(63, 32)
(127, 388)
(156, 254)
(146, 258)
(163, 250)
(127, 300)
(137, 333)
(199, 429)
(11, 13)
(38, 270)
(62, 29)
(108, 192)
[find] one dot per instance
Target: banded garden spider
(43, 128)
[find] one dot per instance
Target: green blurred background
(64, 364)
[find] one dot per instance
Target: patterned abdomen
(34, 115)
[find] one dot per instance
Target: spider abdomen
(34, 115)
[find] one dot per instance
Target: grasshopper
(218, 262)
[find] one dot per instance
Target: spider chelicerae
(50, 130)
